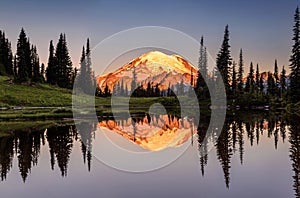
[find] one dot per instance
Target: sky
(263, 29)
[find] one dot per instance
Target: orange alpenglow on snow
(154, 67)
(161, 132)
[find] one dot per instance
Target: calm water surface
(255, 156)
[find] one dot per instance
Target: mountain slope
(154, 67)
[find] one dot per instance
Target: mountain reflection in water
(21, 147)
(155, 132)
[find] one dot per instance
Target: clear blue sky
(262, 28)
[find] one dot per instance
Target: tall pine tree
(63, 63)
(250, 79)
(43, 72)
(261, 84)
(86, 77)
(35, 65)
(240, 72)
(23, 58)
(82, 71)
(134, 80)
(283, 80)
(202, 64)
(295, 60)
(89, 63)
(234, 81)
(257, 79)
(6, 56)
(271, 84)
(201, 87)
(224, 61)
(276, 78)
(51, 71)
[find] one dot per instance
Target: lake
(256, 155)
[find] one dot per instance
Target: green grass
(59, 102)
(37, 95)
(34, 95)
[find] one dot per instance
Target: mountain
(154, 67)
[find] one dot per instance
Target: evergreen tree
(283, 80)
(148, 89)
(192, 78)
(191, 87)
(295, 60)
(86, 79)
(240, 72)
(201, 87)
(248, 84)
(51, 71)
(6, 56)
(234, 80)
(257, 78)
(133, 82)
(82, 77)
(63, 63)
(271, 84)
(157, 91)
(276, 77)
(43, 72)
(202, 64)
(35, 64)
(15, 69)
(250, 79)
(90, 73)
(23, 58)
(261, 84)
(224, 61)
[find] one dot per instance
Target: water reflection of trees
(26, 145)
(241, 128)
(294, 139)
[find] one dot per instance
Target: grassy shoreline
(43, 101)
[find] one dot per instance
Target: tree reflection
(87, 131)
(294, 140)
(6, 155)
(224, 150)
(60, 145)
(26, 144)
(232, 138)
(203, 140)
(241, 140)
(28, 149)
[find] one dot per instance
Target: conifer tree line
(255, 85)
(295, 60)
(150, 90)
(25, 66)
(232, 74)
